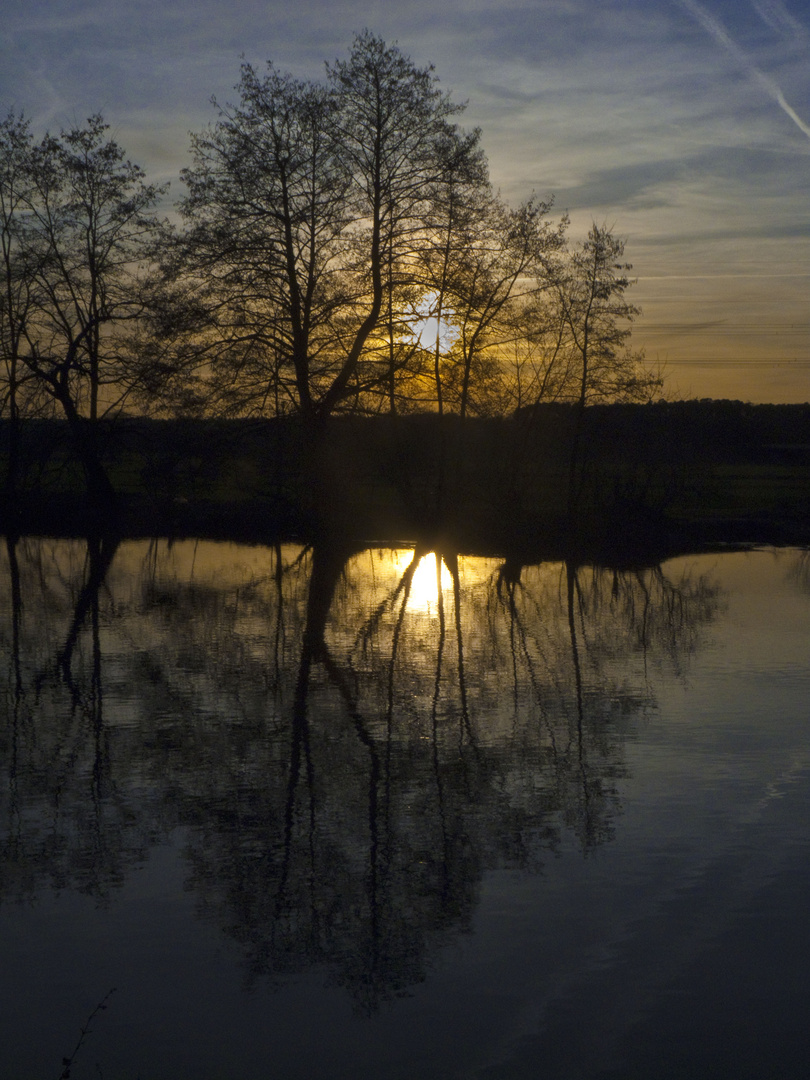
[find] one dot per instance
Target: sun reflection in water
(424, 592)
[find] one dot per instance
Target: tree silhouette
(306, 204)
(79, 230)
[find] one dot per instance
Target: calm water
(336, 813)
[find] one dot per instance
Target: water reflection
(349, 739)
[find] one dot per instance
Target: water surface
(329, 812)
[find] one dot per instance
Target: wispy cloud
(721, 36)
(775, 15)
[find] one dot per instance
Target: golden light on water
(424, 591)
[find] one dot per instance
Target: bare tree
(17, 278)
(585, 329)
(306, 210)
(83, 228)
(589, 323)
(267, 212)
(499, 274)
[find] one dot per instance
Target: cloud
(775, 15)
(721, 36)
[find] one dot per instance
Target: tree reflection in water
(346, 759)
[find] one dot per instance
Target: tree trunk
(84, 432)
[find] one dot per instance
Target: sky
(684, 125)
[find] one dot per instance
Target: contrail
(797, 120)
(720, 35)
(774, 14)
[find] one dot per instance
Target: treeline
(339, 249)
(659, 477)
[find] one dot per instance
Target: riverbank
(669, 477)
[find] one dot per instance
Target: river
(383, 814)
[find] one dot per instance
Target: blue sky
(684, 124)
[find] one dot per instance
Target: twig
(68, 1062)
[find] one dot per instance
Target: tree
(267, 211)
(398, 131)
(589, 322)
(17, 277)
(85, 229)
(305, 212)
(499, 273)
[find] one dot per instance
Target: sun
(427, 328)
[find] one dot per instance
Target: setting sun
(428, 327)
